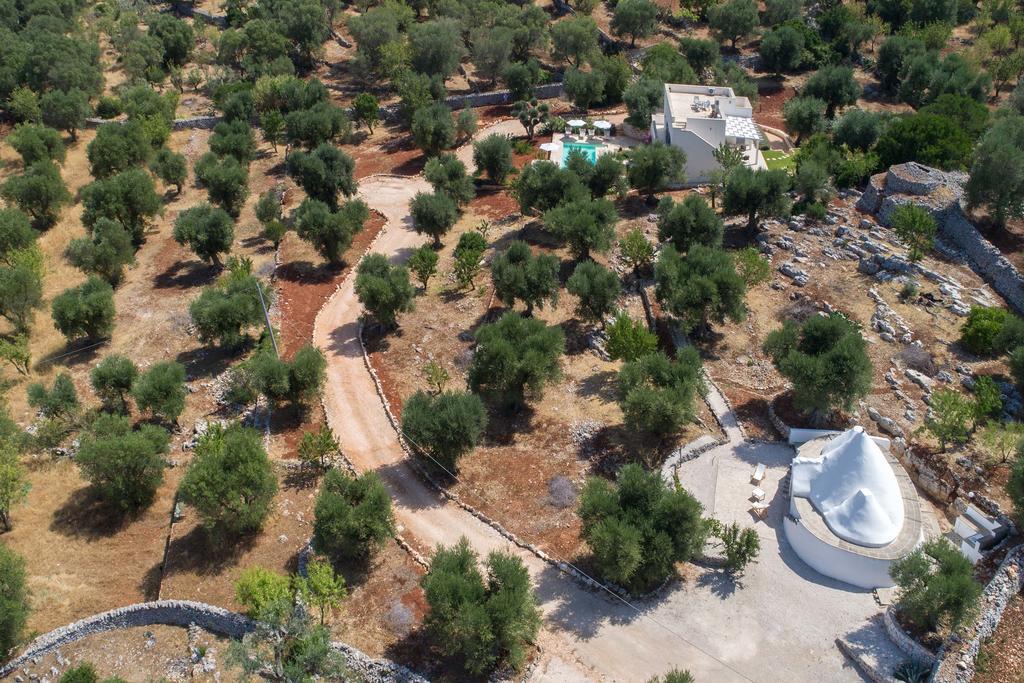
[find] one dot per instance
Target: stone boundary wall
(781, 427)
(200, 122)
(189, 10)
(904, 641)
(184, 613)
(958, 665)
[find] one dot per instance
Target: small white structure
(853, 510)
(977, 532)
(697, 119)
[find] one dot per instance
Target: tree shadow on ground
(85, 515)
(207, 361)
(308, 272)
(79, 352)
(204, 555)
(577, 612)
(149, 584)
(259, 245)
(722, 583)
(601, 385)
(185, 275)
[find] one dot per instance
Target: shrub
(1015, 483)
(85, 311)
(468, 254)
(208, 231)
(112, 379)
(741, 545)
(14, 605)
(597, 289)
(383, 289)
(519, 275)
(979, 332)
(628, 339)
(366, 110)
(639, 528)
(988, 401)
(937, 586)
(656, 394)
(125, 466)
(316, 447)
(492, 156)
(444, 427)
(948, 418)
(83, 673)
(268, 207)
(514, 358)
(230, 481)
(502, 608)
(752, 267)
(161, 390)
(915, 226)
(636, 250)
(14, 483)
(826, 360)
(259, 589)
(59, 401)
(352, 515)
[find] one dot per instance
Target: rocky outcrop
(942, 194)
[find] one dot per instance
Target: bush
(316, 447)
(112, 379)
(258, 589)
(352, 515)
(752, 267)
(502, 609)
(514, 358)
(125, 466)
(915, 226)
(639, 528)
(83, 673)
(519, 275)
(105, 253)
(230, 481)
(207, 230)
(60, 401)
(108, 107)
(628, 339)
(636, 250)
(948, 418)
(597, 289)
(492, 156)
(161, 390)
(826, 360)
(14, 605)
(979, 332)
(656, 394)
(1015, 483)
(741, 546)
(85, 311)
(225, 311)
(433, 215)
(383, 289)
(444, 427)
(268, 207)
(937, 587)
(468, 254)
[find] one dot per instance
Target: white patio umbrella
(603, 125)
(549, 146)
(576, 123)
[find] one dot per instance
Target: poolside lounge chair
(758, 476)
(760, 510)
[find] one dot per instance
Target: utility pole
(266, 317)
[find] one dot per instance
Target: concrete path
(760, 633)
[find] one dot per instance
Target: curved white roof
(854, 488)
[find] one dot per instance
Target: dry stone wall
(942, 194)
(185, 613)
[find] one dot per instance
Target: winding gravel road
(587, 636)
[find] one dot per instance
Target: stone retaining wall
(957, 665)
(200, 122)
(185, 613)
(189, 10)
(903, 640)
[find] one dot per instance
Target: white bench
(758, 476)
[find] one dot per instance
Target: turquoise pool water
(588, 151)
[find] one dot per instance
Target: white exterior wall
(700, 156)
(856, 570)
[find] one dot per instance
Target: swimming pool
(589, 151)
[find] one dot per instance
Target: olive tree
(445, 426)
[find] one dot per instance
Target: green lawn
(777, 159)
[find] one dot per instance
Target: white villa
(853, 510)
(697, 119)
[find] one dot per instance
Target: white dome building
(853, 510)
